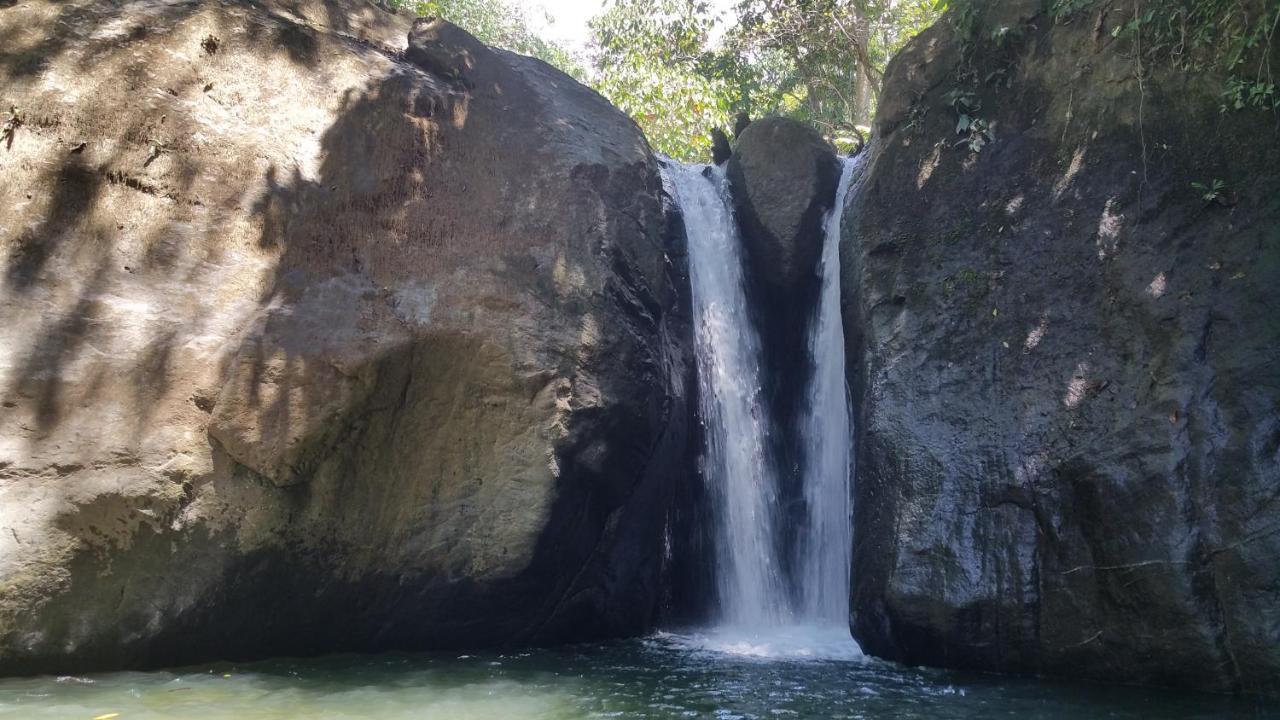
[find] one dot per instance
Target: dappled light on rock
(317, 345)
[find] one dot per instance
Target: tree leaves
(680, 71)
(654, 61)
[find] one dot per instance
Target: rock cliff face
(1064, 361)
(311, 343)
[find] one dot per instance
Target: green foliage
(1232, 37)
(968, 285)
(653, 62)
(1064, 10)
(996, 46)
(819, 61)
(1240, 93)
(830, 54)
(679, 73)
(964, 17)
(1210, 192)
(976, 133)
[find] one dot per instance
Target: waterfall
(739, 476)
(760, 614)
(826, 546)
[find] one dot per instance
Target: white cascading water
(744, 491)
(826, 546)
(757, 613)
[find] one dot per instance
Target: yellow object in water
(108, 716)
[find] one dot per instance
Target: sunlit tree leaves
(652, 58)
(680, 71)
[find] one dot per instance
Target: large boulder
(783, 175)
(1064, 360)
(307, 347)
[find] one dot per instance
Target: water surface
(668, 676)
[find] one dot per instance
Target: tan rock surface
(303, 347)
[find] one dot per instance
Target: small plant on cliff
(976, 132)
(1241, 93)
(988, 57)
(1232, 37)
(1212, 192)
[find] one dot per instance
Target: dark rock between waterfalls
(1065, 365)
(783, 176)
(363, 360)
(720, 147)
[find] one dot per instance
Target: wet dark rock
(783, 177)
(1064, 364)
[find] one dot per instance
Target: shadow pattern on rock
(408, 371)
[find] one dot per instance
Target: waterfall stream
(759, 613)
(826, 547)
(740, 477)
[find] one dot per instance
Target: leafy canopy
(653, 60)
(819, 61)
(680, 70)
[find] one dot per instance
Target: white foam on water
(794, 642)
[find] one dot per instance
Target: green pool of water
(668, 676)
